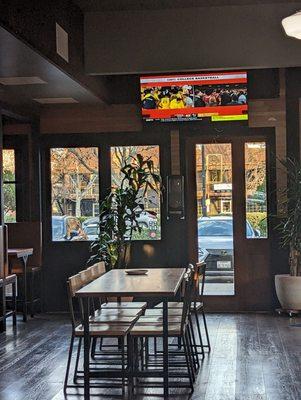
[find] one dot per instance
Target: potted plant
(118, 211)
(288, 287)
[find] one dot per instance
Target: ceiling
(19, 60)
(118, 5)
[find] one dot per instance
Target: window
(149, 216)
(256, 190)
(74, 192)
(9, 186)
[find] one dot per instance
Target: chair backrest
(98, 269)
(74, 283)
(27, 235)
(200, 275)
(86, 276)
(188, 295)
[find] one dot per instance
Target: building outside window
(9, 186)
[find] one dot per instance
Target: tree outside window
(9, 185)
(75, 192)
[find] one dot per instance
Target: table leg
(86, 308)
(2, 308)
(24, 260)
(165, 348)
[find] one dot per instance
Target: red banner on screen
(194, 96)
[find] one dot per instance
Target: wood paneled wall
(91, 119)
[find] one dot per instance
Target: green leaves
(290, 225)
(117, 220)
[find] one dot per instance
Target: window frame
(19, 143)
(103, 142)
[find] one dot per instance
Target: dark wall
(64, 259)
(34, 23)
(190, 39)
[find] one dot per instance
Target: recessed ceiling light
(56, 100)
(21, 80)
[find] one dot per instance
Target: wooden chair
(28, 235)
(197, 305)
(11, 300)
(107, 325)
(178, 327)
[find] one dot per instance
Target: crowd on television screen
(173, 97)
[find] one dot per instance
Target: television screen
(220, 96)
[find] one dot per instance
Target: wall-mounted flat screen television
(219, 96)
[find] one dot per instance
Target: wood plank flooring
(254, 357)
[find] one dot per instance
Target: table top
(163, 282)
(20, 252)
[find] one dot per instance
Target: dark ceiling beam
(34, 22)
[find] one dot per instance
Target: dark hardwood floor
(254, 357)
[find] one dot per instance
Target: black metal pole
(165, 348)
(86, 349)
(204, 207)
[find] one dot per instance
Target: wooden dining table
(159, 283)
(20, 254)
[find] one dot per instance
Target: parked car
(91, 230)
(67, 228)
(215, 244)
(146, 219)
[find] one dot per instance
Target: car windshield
(91, 230)
(57, 228)
(221, 227)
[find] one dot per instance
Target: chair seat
(124, 304)
(152, 312)
(123, 312)
(171, 304)
(104, 329)
(9, 279)
(154, 328)
(31, 269)
(113, 319)
(179, 304)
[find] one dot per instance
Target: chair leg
(68, 362)
(190, 355)
(206, 330)
(130, 366)
(179, 343)
(193, 355)
(77, 360)
(123, 367)
(93, 348)
(14, 303)
(185, 347)
(31, 294)
(100, 343)
(155, 345)
(146, 352)
(199, 332)
(195, 349)
(142, 353)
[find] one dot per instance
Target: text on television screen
(221, 96)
